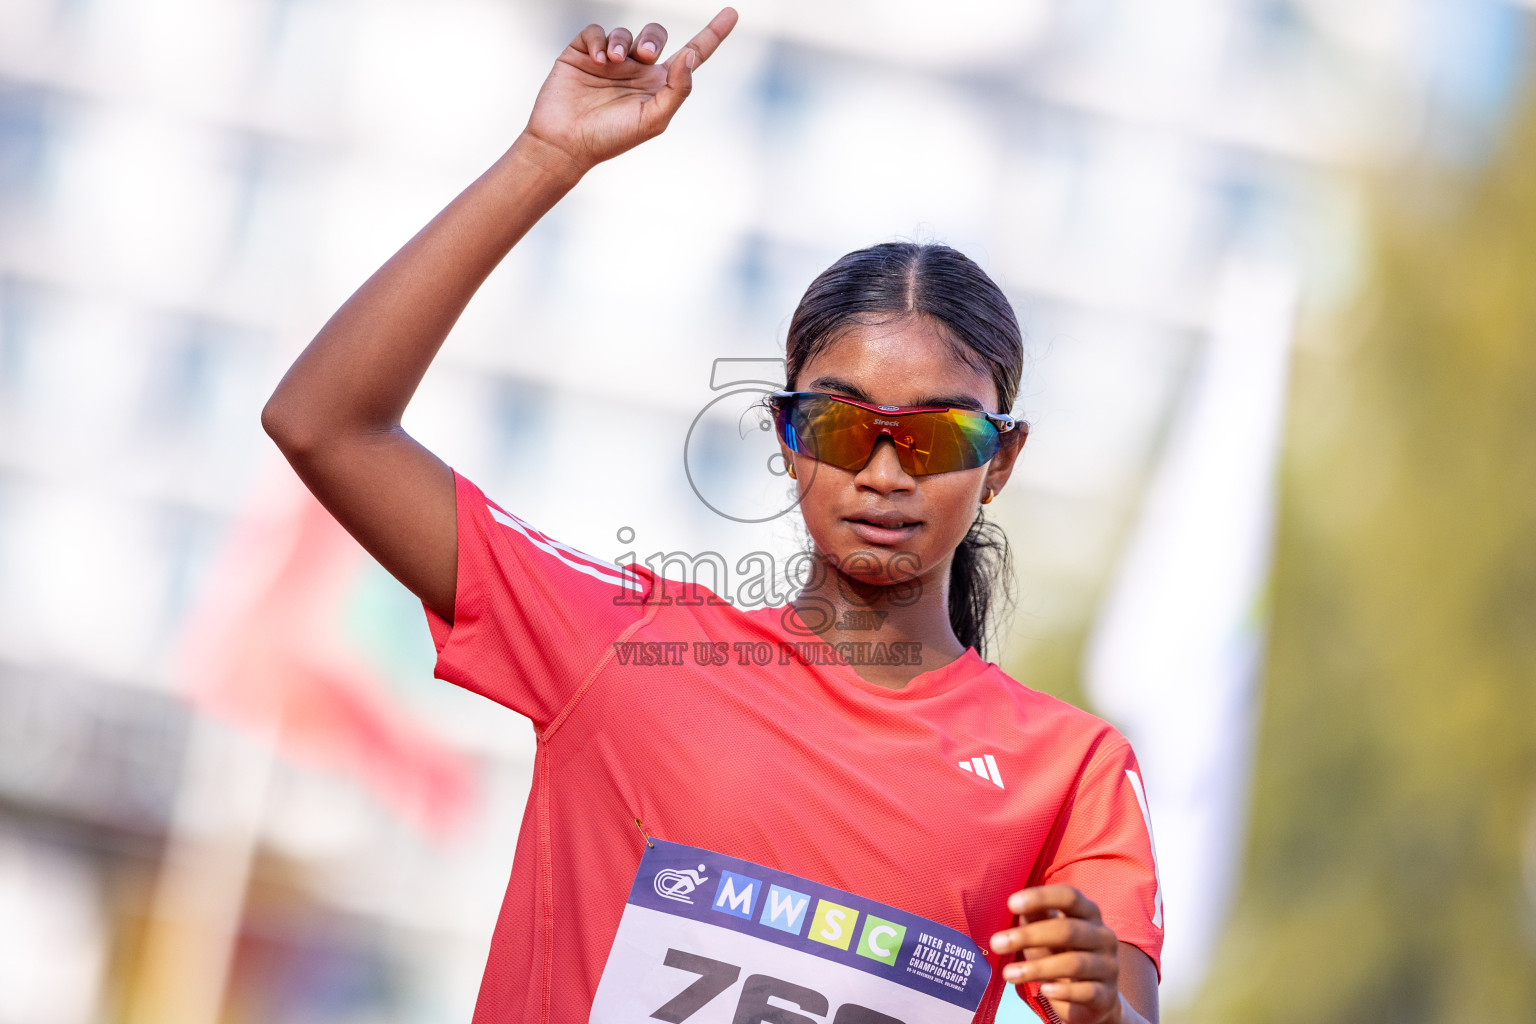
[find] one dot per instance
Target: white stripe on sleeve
(569, 557)
(1146, 816)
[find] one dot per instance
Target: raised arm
(336, 413)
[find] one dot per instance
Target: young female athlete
(930, 786)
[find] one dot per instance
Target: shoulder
(1068, 730)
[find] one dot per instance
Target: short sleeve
(1106, 849)
(531, 617)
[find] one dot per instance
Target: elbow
(288, 429)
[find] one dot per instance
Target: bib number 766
(753, 1007)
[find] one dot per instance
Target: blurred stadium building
(188, 189)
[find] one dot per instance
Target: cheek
(820, 498)
(951, 503)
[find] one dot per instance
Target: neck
(915, 613)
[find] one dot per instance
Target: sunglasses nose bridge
(881, 433)
(887, 434)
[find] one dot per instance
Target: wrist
(546, 160)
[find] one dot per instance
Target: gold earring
(789, 467)
(988, 499)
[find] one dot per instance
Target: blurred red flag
(266, 648)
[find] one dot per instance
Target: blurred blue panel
(519, 417)
(190, 539)
(179, 384)
(1012, 1010)
(25, 130)
(19, 303)
(783, 91)
(1474, 56)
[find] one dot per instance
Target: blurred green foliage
(1395, 792)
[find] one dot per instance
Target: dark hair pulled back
(903, 279)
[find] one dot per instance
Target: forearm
(360, 371)
(1138, 986)
(1128, 1014)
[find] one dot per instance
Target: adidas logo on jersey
(984, 766)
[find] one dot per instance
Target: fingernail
(1016, 903)
(1053, 989)
(649, 49)
(691, 59)
(1012, 972)
(601, 58)
(618, 53)
(999, 943)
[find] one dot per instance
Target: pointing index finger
(709, 38)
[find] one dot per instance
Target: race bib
(709, 939)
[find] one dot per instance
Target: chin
(879, 566)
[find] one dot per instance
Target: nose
(883, 472)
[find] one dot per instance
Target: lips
(883, 529)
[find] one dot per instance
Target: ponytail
(979, 577)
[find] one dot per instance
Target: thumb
(679, 84)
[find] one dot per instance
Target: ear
(789, 460)
(1001, 466)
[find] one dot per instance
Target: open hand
(1068, 949)
(607, 92)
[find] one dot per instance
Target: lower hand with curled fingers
(1076, 958)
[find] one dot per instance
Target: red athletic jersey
(941, 798)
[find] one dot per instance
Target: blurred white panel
(1061, 545)
(53, 936)
(1038, 202)
(651, 246)
(452, 414)
(1097, 392)
(183, 55)
(85, 582)
(877, 159)
(188, 427)
(141, 205)
(1135, 214)
(1174, 656)
(29, 29)
(1380, 30)
(271, 279)
(1155, 60)
(961, 34)
(315, 817)
(301, 86)
(447, 82)
(371, 208)
(196, 53)
(80, 356)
